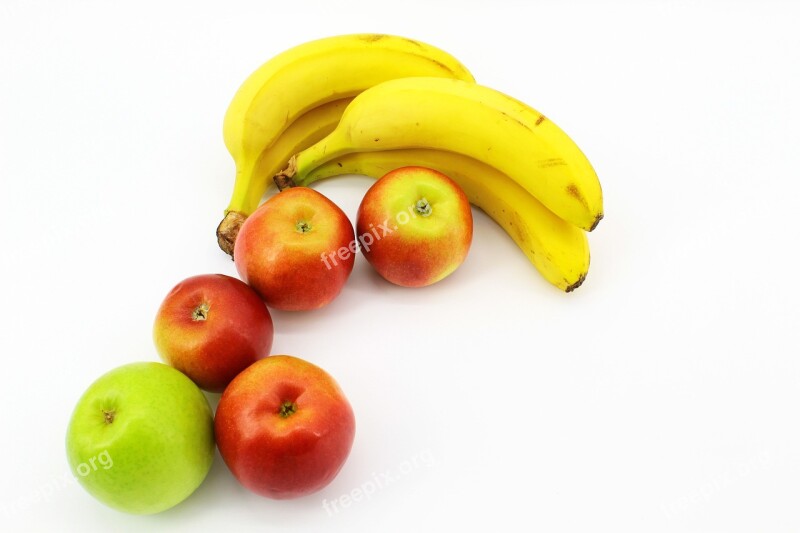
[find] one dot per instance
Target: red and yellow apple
(415, 226)
(284, 427)
(297, 250)
(211, 327)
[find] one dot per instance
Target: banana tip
(577, 284)
(228, 229)
(597, 220)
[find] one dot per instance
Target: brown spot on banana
(519, 227)
(441, 65)
(372, 37)
(415, 43)
(573, 191)
(539, 120)
(551, 162)
(518, 121)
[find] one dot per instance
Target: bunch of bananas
(367, 104)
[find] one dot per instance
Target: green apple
(141, 438)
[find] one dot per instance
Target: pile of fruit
(142, 437)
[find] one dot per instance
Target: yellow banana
(558, 249)
(297, 81)
(247, 193)
(472, 120)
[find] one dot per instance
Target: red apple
(211, 327)
(415, 226)
(284, 427)
(297, 250)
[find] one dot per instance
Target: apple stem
(423, 207)
(109, 416)
(287, 409)
(200, 312)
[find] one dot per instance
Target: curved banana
(471, 120)
(558, 249)
(300, 79)
(247, 192)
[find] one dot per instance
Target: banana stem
(283, 179)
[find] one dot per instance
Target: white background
(660, 396)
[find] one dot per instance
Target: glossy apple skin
(285, 265)
(284, 457)
(211, 327)
(412, 250)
